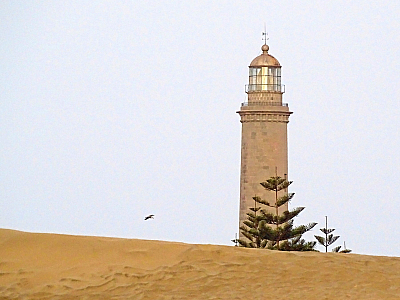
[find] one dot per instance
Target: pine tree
(253, 228)
(345, 250)
(284, 236)
(235, 241)
(329, 238)
(273, 230)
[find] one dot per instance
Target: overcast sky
(112, 110)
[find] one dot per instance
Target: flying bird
(149, 217)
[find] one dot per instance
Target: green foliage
(337, 249)
(297, 244)
(269, 229)
(345, 251)
(252, 229)
(329, 239)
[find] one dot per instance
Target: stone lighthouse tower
(264, 119)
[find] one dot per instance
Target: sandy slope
(50, 266)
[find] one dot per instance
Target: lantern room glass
(265, 79)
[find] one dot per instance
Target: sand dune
(51, 266)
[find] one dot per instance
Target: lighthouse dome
(265, 74)
(265, 60)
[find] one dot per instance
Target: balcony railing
(264, 103)
(265, 88)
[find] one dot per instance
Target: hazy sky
(112, 110)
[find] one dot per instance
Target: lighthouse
(264, 118)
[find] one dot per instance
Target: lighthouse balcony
(270, 88)
(264, 103)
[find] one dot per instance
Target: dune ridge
(53, 266)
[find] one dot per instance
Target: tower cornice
(280, 116)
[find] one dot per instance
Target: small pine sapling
(345, 250)
(235, 241)
(329, 238)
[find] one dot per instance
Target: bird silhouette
(149, 217)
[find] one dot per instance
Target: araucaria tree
(254, 228)
(329, 239)
(267, 228)
(345, 250)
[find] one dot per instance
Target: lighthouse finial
(265, 35)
